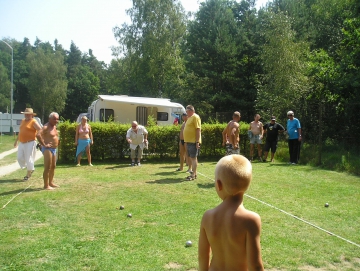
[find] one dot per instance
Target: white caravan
(5, 122)
(125, 109)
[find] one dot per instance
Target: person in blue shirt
(295, 137)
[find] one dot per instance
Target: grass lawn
(6, 142)
(80, 226)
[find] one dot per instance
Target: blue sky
(88, 23)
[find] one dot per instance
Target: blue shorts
(255, 139)
(52, 150)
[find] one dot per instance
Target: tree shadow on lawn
(207, 185)
(168, 181)
(118, 166)
(17, 191)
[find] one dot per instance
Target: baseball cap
(273, 118)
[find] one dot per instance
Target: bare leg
(52, 172)
(272, 156)
(259, 150)
(88, 154)
(188, 159)
(266, 155)
(182, 156)
(251, 151)
(47, 164)
(194, 163)
(79, 159)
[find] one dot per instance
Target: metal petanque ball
(121, 207)
(129, 215)
(326, 204)
(188, 244)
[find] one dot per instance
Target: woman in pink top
(83, 140)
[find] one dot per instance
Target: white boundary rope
(294, 216)
(16, 196)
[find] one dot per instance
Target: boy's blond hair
(235, 173)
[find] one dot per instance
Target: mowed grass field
(79, 226)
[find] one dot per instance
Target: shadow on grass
(168, 181)
(11, 181)
(118, 166)
(17, 191)
(206, 186)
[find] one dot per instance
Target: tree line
(300, 55)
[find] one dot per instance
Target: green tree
(47, 81)
(150, 47)
(5, 89)
(284, 82)
(83, 85)
(212, 54)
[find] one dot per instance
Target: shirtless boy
(256, 128)
(49, 140)
(230, 232)
(230, 135)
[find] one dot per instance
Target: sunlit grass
(80, 227)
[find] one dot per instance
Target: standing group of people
(47, 136)
(256, 134)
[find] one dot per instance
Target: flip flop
(190, 178)
(26, 178)
(178, 169)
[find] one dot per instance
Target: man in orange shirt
(27, 147)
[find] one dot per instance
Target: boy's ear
(219, 185)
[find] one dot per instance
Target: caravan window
(109, 114)
(162, 116)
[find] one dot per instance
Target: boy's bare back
(230, 232)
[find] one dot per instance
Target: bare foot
(54, 185)
(48, 188)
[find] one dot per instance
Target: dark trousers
(294, 150)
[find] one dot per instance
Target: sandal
(26, 178)
(190, 178)
(178, 169)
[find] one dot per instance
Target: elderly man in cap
(27, 147)
(136, 136)
(295, 136)
(272, 130)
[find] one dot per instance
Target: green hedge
(110, 141)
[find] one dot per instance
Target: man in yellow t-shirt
(192, 138)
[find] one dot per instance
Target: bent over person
(136, 136)
(231, 138)
(230, 232)
(27, 147)
(49, 141)
(83, 140)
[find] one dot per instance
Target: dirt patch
(172, 266)
(344, 265)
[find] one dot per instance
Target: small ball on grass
(326, 204)
(188, 243)
(121, 207)
(129, 215)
